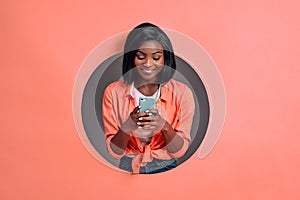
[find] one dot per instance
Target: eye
(140, 56)
(156, 57)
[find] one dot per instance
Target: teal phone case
(146, 103)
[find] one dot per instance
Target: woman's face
(149, 60)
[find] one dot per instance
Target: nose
(148, 62)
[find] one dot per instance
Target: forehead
(150, 44)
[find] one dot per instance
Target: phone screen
(146, 103)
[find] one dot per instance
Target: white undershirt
(137, 94)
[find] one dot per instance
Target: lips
(147, 70)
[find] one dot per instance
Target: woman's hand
(120, 140)
(154, 121)
(131, 123)
(151, 120)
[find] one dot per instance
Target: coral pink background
(254, 43)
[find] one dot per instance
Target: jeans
(155, 166)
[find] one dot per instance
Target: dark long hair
(141, 33)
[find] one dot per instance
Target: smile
(148, 70)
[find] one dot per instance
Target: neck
(147, 89)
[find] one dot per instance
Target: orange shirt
(176, 105)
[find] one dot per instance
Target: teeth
(148, 70)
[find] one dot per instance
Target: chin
(149, 79)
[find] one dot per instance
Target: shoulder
(176, 90)
(177, 86)
(116, 86)
(183, 93)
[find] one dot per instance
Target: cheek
(160, 62)
(137, 62)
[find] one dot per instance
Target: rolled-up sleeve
(109, 119)
(185, 115)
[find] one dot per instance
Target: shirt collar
(164, 91)
(128, 90)
(163, 96)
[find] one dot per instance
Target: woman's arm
(155, 122)
(120, 140)
(116, 138)
(185, 116)
(173, 141)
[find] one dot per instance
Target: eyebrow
(159, 51)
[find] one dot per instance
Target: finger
(134, 114)
(157, 124)
(142, 124)
(136, 109)
(152, 123)
(154, 111)
(145, 119)
(142, 114)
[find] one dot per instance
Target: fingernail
(138, 123)
(140, 118)
(147, 111)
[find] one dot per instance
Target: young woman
(148, 141)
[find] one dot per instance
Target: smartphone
(146, 103)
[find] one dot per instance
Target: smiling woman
(148, 137)
(149, 61)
